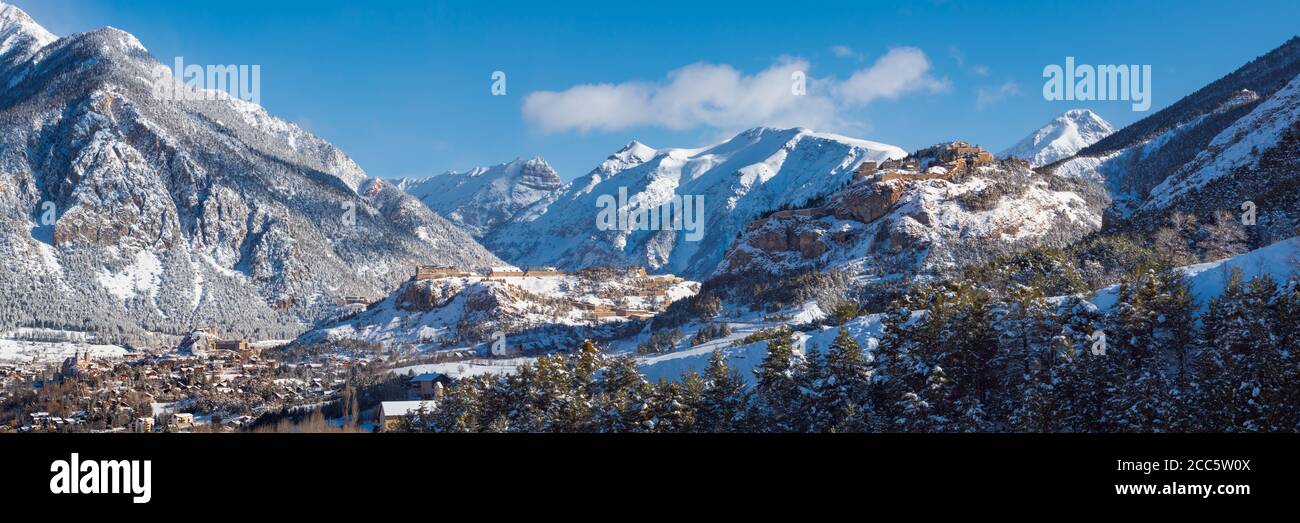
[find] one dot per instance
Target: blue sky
(404, 87)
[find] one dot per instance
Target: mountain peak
(536, 162)
(483, 197)
(634, 150)
(19, 31)
(1061, 138)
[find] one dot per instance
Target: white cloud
(901, 71)
(719, 96)
(987, 96)
(698, 95)
(980, 70)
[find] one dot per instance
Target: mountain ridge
(144, 217)
(483, 197)
(758, 170)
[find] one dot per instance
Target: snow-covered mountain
(20, 37)
(1060, 138)
(482, 198)
(1237, 148)
(900, 222)
(757, 171)
(1230, 142)
(128, 213)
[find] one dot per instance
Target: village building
(599, 314)
(428, 272)
(636, 314)
(199, 343)
(392, 414)
(77, 364)
(543, 272)
(234, 346)
(354, 300)
(505, 272)
(143, 425)
(429, 386)
(182, 421)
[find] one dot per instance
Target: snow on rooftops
(405, 408)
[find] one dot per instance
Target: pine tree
(842, 390)
(554, 398)
(967, 348)
(1239, 362)
(933, 408)
(1286, 335)
(889, 382)
(778, 394)
(913, 413)
(691, 396)
(1036, 401)
(1025, 356)
(667, 411)
(1262, 367)
(586, 363)
(811, 379)
(1176, 330)
(1147, 407)
(1214, 391)
(461, 406)
(1153, 324)
(725, 398)
(622, 398)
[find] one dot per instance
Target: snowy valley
(205, 265)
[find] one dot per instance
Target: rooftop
(403, 408)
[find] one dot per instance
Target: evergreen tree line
(951, 359)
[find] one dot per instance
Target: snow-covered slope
(1060, 138)
(757, 171)
(482, 198)
(535, 313)
(126, 213)
(1199, 139)
(20, 37)
(1238, 147)
(1247, 148)
(1280, 261)
(906, 223)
